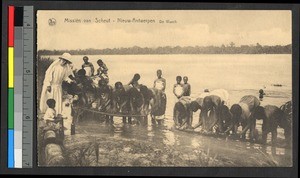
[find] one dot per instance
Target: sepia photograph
(164, 88)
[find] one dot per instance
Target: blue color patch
(11, 160)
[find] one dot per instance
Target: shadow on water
(230, 151)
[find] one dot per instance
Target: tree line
(223, 49)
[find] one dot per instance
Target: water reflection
(165, 135)
(195, 143)
(273, 150)
(170, 138)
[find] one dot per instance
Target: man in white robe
(58, 71)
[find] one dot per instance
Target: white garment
(159, 84)
(54, 77)
(178, 90)
(185, 100)
(223, 94)
(68, 119)
(49, 114)
(88, 71)
(203, 95)
(245, 111)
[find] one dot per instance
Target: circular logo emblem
(52, 22)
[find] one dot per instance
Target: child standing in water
(160, 85)
(160, 82)
(178, 88)
(186, 87)
(261, 94)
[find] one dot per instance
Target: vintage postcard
(164, 88)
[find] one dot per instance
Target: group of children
(82, 79)
(50, 118)
(182, 89)
(89, 67)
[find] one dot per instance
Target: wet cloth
(89, 68)
(160, 84)
(185, 100)
(251, 101)
(223, 94)
(199, 100)
(248, 104)
(159, 102)
(105, 96)
(49, 118)
(180, 114)
(178, 90)
(49, 114)
(203, 95)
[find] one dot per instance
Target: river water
(239, 74)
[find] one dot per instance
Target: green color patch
(10, 108)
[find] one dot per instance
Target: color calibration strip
(11, 162)
(20, 86)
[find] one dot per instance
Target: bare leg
(234, 129)
(112, 119)
(129, 120)
(107, 121)
(244, 134)
(159, 122)
(251, 133)
(199, 124)
(138, 120)
(287, 136)
(203, 117)
(145, 120)
(274, 137)
(264, 137)
(153, 120)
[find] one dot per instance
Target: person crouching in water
(182, 113)
(82, 79)
(120, 102)
(105, 94)
(195, 106)
(84, 85)
(186, 108)
(134, 82)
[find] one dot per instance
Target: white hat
(67, 57)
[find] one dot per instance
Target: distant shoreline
(135, 50)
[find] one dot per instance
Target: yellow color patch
(10, 67)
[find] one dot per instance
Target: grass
(116, 152)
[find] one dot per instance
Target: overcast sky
(192, 28)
